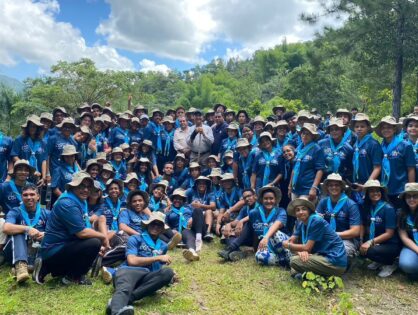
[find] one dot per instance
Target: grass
(212, 287)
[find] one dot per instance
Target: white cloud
(147, 65)
(241, 54)
(30, 32)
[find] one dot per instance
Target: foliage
(313, 283)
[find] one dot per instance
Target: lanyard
(374, 211)
(25, 215)
(334, 211)
(302, 151)
(356, 157)
(306, 234)
(115, 212)
(387, 149)
(155, 248)
(182, 219)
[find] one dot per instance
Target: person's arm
(407, 241)
(411, 174)
(146, 261)
(57, 192)
(130, 231)
(90, 233)
(376, 172)
(253, 180)
(293, 247)
(272, 230)
(313, 192)
(276, 180)
(352, 232)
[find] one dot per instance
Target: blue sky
(142, 35)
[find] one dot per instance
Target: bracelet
(316, 187)
(27, 229)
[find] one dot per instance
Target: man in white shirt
(200, 140)
(180, 137)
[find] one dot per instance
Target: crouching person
(318, 247)
(25, 226)
(70, 245)
(142, 273)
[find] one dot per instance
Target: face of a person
(105, 174)
(268, 200)
(143, 167)
(265, 143)
(30, 198)
(126, 153)
(58, 117)
(113, 191)
(215, 180)
(158, 192)
(412, 128)
(232, 133)
(86, 121)
(201, 186)
(336, 132)
(375, 194)
(94, 194)
(67, 129)
(144, 122)
(227, 184)
(198, 119)
(69, 159)
(228, 160)
(388, 131)
(168, 126)
(281, 131)
(247, 133)
(137, 203)
(258, 126)
(302, 213)
(47, 124)
(292, 122)
(219, 119)
(96, 112)
(243, 151)
(361, 128)
(195, 172)
(180, 112)
(242, 119)
(334, 188)
(178, 201)
(118, 157)
(411, 200)
(82, 191)
(123, 123)
(98, 126)
(211, 163)
(344, 117)
(306, 136)
(145, 148)
(133, 185)
(183, 122)
(180, 163)
(249, 198)
(32, 129)
(21, 172)
(135, 126)
(288, 152)
(168, 169)
(157, 118)
(155, 228)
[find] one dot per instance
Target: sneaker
(67, 280)
(199, 244)
(97, 264)
(374, 266)
(107, 275)
(39, 273)
(84, 281)
(126, 310)
(22, 273)
(236, 255)
(190, 255)
(208, 237)
(224, 254)
(176, 239)
(387, 270)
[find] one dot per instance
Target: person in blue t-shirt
(243, 163)
(25, 226)
(341, 212)
(85, 146)
(230, 142)
(337, 150)
(317, 246)
(142, 273)
(346, 117)
(146, 150)
(378, 238)
(309, 165)
(6, 165)
(167, 138)
(158, 200)
(136, 211)
(93, 168)
(168, 175)
(181, 171)
(398, 164)
(153, 132)
(120, 133)
(113, 203)
(70, 245)
(411, 127)
(194, 173)
(143, 170)
(30, 146)
(135, 133)
(119, 165)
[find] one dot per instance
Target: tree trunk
(397, 87)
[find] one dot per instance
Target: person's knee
(95, 243)
(295, 263)
(167, 274)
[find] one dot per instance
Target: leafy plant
(313, 283)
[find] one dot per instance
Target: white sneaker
(190, 254)
(374, 266)
(199, 243)
(387, 270)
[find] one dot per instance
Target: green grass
(212, 287)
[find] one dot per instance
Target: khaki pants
(317, 264)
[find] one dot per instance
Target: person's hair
(288, 115)
(100, 200)
(367, 203)
(220, 113)
(248, 189)
(247, 126)
(30, 186)
(39, 131)
(169, 162)
(136, 193)
(354, 108)
(404, 212)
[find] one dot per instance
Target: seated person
(168, 175)
(317, 246)
(142, 273)
(341, 212)
(70, 245)
(25, 226)
(65, 170)
(159, 200)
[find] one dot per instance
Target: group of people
(114, 193)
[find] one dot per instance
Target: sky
(144, 35)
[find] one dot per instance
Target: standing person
(398, 164)
(242, 119)
(346, 116)
(229, 143)
(70, 245)
(142, 273)
(411, 126)
(48, 123)
(180, 137)
(310, 163)
(154, 131)
(120, 133)
(378, 238)
(169, 152)
(408, 224)
(200, 140)
(181, 171)
(6, 165)
(316, 245)
(64, 173)
(219, 132)
(243, 163)
(25, 226)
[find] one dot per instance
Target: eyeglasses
(411, 196)
(83, 187)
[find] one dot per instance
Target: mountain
(11, 83)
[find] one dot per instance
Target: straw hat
(336, 122)
(78, 178)
(389, 120)
(33, 119)
(242, 143)
(155, 216)
(133, 193)
(68, 149)
(276, 191)
(216, 172)
(312, 129)
(180, 193)
(360, 117)
(302, 201)
(411, 188)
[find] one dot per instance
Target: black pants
(134, 284)
(246, 238)
(167, 236)
(384, 253)
(198, 226)
(74, 259)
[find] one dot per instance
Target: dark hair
(288, 115)
(30, 186)
(38, 134)
(248, 189)
(367, 203)
(136, 193)
(404, 212)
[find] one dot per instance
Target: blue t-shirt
(207, 198)
(138, 247)
(244, 212)
(54, 149)
(157, 205)
(180, 176)
(259, 227)
(107, 211)
(415, 148)
(172, 218)
(66, 220)
(327, 241)
(259, 165)
(14, 216)
(245, 167)
(400, 159)
(6, 144)
(23, 150)
(118, 136)
(8, 198)
(346, 158)
(95, 209)
(120, 169)
(385, 219)
(132, 219)
(228, 144)
(348, 216)
(153, 132)
(370, 155)
(136, 136)
(62, 175)
(228, 200)
(312, 162)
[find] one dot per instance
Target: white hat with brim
(389, 120)
(228, 154)
(33, 119)
(117, 182)
(408, 119)
(131, 176)
(360, 117)
(336, 122)
(213, 157)
(266, 134)
(67, 121)
(144, 160)
(276, 191)
(343, 111)
(259, 119)
(216, 172)
(291, 208)
(282, 123)
(124, 146)
(232, 126)
(168, 120)
(60, 109)
(155, 216)
(78, 178)
(227, 176)
(202, 179)
(180, 156)
(333, 177)
(147, 142)
(22, 162)
(194, 165)
(68, 150)
(117, 150)
(179, 192)
(108, 167)
(243, 143)
(372, 183)
(410, 188)
(92, 162)
(47, 116)
(312, 129)
(163, 183)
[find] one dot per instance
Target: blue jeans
(408, 262)
(17, 249)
